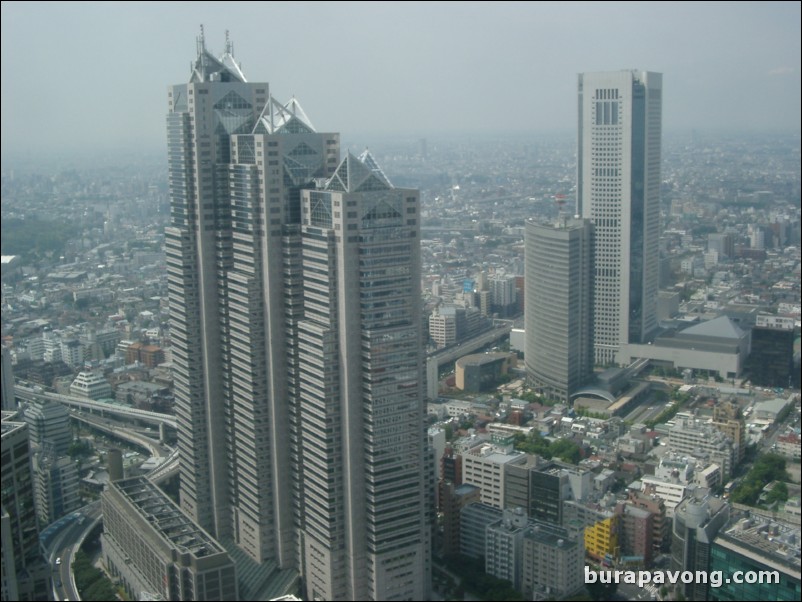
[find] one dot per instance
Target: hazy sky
(95, 75)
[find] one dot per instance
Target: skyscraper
(618, 188)
(361, 386)
(559, 312)
(25, 572)
(296, 341)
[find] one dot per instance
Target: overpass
(152, 447)
(98, 407)
(166, 469)
(454, 352)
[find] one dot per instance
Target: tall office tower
(296, 341)
(237, 159)
(363, 531)
(559, 313)
(618, 188)
(25, 573)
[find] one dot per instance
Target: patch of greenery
(35, 238)
(92, 584)
(767, 468)
(564, 449)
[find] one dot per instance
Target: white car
(58, 560)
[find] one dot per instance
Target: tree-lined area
(767, 468)
(35, 238)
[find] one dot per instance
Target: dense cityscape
(277, 364)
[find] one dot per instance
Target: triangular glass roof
(289, 118)
(301, 150)
(227, 60)
(297, 170)
(370, 162)
(232, 100)
(223, 69)
(357, 175)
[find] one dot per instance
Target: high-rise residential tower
(296, 341)
(559, 309)
(618, 188)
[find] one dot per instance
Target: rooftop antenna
(229, 45)
(201, 41)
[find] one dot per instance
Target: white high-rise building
(618, 188)
(296, 340)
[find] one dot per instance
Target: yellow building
(601, 538)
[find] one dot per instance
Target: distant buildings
(482, 371)
(91, 385)
(503, 295)
(717, 347)
(771, 361)
(618, 188)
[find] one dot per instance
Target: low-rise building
(154, 549)
(553, 562)
(484, 467)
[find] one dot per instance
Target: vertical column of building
(203, 115)
(246, 366)
(322, 433)
(183, 270)
(362, 287)
(653, 132)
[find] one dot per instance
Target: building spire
(229, 45)
(201, 42)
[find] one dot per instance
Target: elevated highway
(159, 419)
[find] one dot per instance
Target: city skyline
(271, 288)
(728, 67)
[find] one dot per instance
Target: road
(62, 545)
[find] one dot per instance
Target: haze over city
(401, 301)
(92, 76)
